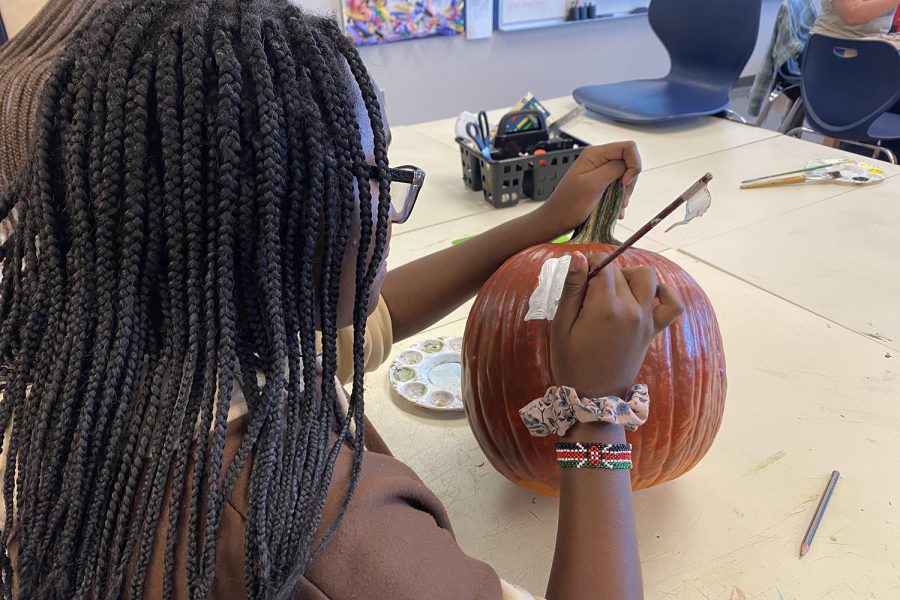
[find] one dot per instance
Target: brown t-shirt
(395, 541)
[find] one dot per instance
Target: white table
(839, 258)
(804, 398)
(808, 392)
(732, 207)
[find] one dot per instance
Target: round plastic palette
(427, 374)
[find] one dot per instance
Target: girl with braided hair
(204, 220)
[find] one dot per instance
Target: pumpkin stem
(601, 223)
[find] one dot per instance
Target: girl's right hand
(603, 327)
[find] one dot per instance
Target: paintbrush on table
(795, 171)
(829, 176)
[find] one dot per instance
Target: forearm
(596, 554)
(857, 12)
(422, 292)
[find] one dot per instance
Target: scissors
(480, 133)
(484, 127)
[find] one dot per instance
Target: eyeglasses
(403, 197)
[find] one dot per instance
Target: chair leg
(798, 132)
(770, 100)
(791, 115)
(733, 116)
(876, 149)
(764, 113)
(892, 158)
(773, 97)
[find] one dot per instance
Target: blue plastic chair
(709, 43)
(847, 87)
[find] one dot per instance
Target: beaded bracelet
(584, 455)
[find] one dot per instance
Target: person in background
(855, 18)
(793, 23)
(858, 19)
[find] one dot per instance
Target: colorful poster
(379, 21)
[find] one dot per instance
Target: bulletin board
(370, 22)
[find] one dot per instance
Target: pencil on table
(820, 510)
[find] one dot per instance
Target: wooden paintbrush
(790, 180)
(688, 193)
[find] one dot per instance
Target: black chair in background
(849, 88)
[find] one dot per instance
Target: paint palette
(427, 374)
(853, 172)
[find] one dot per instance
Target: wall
(438, 77)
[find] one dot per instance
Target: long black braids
(296, 114)
(365, 274)
(117, 203)
(228, 157)
(338, 183)
(182, 229)
(224, 200)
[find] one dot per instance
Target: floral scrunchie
(560, 407)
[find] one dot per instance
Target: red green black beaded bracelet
(585, 455)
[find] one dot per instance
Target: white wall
(439, 77)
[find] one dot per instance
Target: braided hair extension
(25, 65)
(181, 231)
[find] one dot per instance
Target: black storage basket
(506, 182)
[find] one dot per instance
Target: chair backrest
(847, 84)
(707, 40)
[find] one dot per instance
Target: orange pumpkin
(506, 364)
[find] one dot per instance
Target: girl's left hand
(584, 183)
